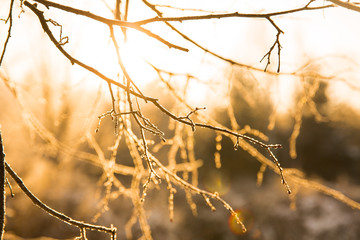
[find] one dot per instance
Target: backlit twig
(53, 212)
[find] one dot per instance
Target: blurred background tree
(141, 117)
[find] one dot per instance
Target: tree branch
(2, 189)
(227, 15)
(150, 99)
(187, 185)
(277, 42)
(9, 18)
(53, 212)
(110, 22)
(347, 5)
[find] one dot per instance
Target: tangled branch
(154, 101)
(64, 218)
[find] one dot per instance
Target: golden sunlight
(135, 116)
(139, 53)
(283, 92)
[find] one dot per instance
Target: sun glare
(283, 94)
(137, 50)
(138, 53)
(342, 93)
(135, 53)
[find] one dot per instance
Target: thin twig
(110, 22)
(51, 211)
(226, 15)
(277, 42)
(145, 155)
(2, 189)
(280, 169)
(189, 119)
(10, 19)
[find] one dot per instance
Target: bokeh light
(217, 181)
(246, 217)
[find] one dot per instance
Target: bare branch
(189, 119)
(10, 19)
(53, 212)
(110, 22)
(193, 188)
(227, 15)
(80, 12)
(346, 4)
(2, 189)
(238, 136)
(277, 42)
